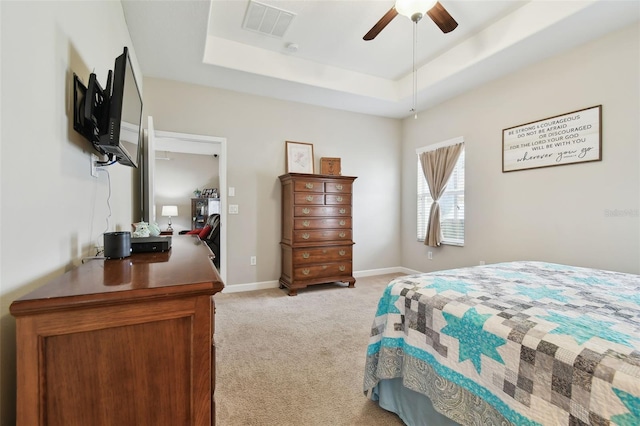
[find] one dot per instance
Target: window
(451, 206)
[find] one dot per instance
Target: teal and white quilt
(536, 343)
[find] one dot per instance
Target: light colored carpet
(284, 360)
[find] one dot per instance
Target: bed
(523, 343)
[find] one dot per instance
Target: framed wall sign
(330, 166)
(575, 137)
(299, 157)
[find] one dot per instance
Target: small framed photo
(330, 166)
(207, 193)
(299, 157)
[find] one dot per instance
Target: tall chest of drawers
(317, 233)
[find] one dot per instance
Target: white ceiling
(203, 42)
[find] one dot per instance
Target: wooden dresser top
(185, 270)
(288, 176)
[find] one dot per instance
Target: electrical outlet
(430, 255)
(253, 260)
(482, 262)
(94, 171)
(233, 209)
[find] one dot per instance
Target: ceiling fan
(414, 10)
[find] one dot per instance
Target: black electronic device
(150, 244)
(111, 118)
(117, 245)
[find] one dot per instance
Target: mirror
(170, 177)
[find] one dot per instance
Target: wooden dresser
(121, 342)
(317, 233)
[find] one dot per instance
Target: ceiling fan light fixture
(414, 9)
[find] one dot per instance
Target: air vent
(266, 19)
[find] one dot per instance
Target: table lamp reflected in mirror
(169, 211)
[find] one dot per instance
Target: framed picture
(574, 137)
(299, 157)
(330, 166)
(208, 192)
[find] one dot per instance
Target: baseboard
(236, 288)
(382, 271)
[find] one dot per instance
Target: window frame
(424, 198)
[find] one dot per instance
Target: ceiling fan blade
(441, 17)
(379, 26)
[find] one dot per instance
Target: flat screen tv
(123, 134)
(111, 118)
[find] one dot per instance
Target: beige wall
(52, 210)
(556, 214)
(256, 129)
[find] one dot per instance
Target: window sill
(448, 243)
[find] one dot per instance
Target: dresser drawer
(319, 271)
(344, 187)
(321, 235)
(308, 186)
(342, 211)
(301, 198)
(324, 223)
(321, 255)
(338, 199)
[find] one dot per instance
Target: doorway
(161, 144)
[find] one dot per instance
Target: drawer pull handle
(324, 251)
(306, 236)
(342, 235)
(309, 198)
(309, 185)
(306, 211)
(343, 222)
(324, 266)
(343, 211)
(306, 271)
(342, 268)
(306, 223)
(305, 255)
(342, 252)
(339, 199)
(339, 187)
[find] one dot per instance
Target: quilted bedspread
(530, 342)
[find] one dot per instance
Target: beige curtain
(437, 166)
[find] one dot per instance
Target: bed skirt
(412, 407)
